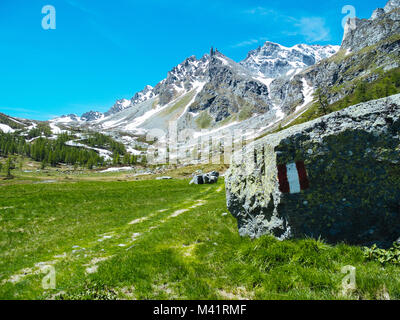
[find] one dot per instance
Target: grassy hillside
(161, 240)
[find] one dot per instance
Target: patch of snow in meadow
(117, 169)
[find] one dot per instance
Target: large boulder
(207, 178)
(337, 177)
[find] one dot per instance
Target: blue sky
(102, 51)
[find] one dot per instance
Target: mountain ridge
(167, 85)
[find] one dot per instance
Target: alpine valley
(275, 177)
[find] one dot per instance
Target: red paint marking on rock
(283, 180)
(301, 170)
(301, 180)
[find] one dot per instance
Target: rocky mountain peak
(182, 78)
(391, 5)
(189, 69)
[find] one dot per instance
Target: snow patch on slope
(308, 93)
(198, 87)
(6, 129)
(106, 154)
(55, 129)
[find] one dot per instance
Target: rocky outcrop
(377, 14)
(230, 88)
(280, 89)
(337, 177)
(366, 33)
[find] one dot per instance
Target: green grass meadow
(162, 240)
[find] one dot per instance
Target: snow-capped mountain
(68, 118)
(10, 124)
(92, 116)
(197, 93)
(206, 75)
(181, 78)
(273, 60)
(202, 93)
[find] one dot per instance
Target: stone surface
(350, 190)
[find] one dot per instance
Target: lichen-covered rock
(337, 177)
